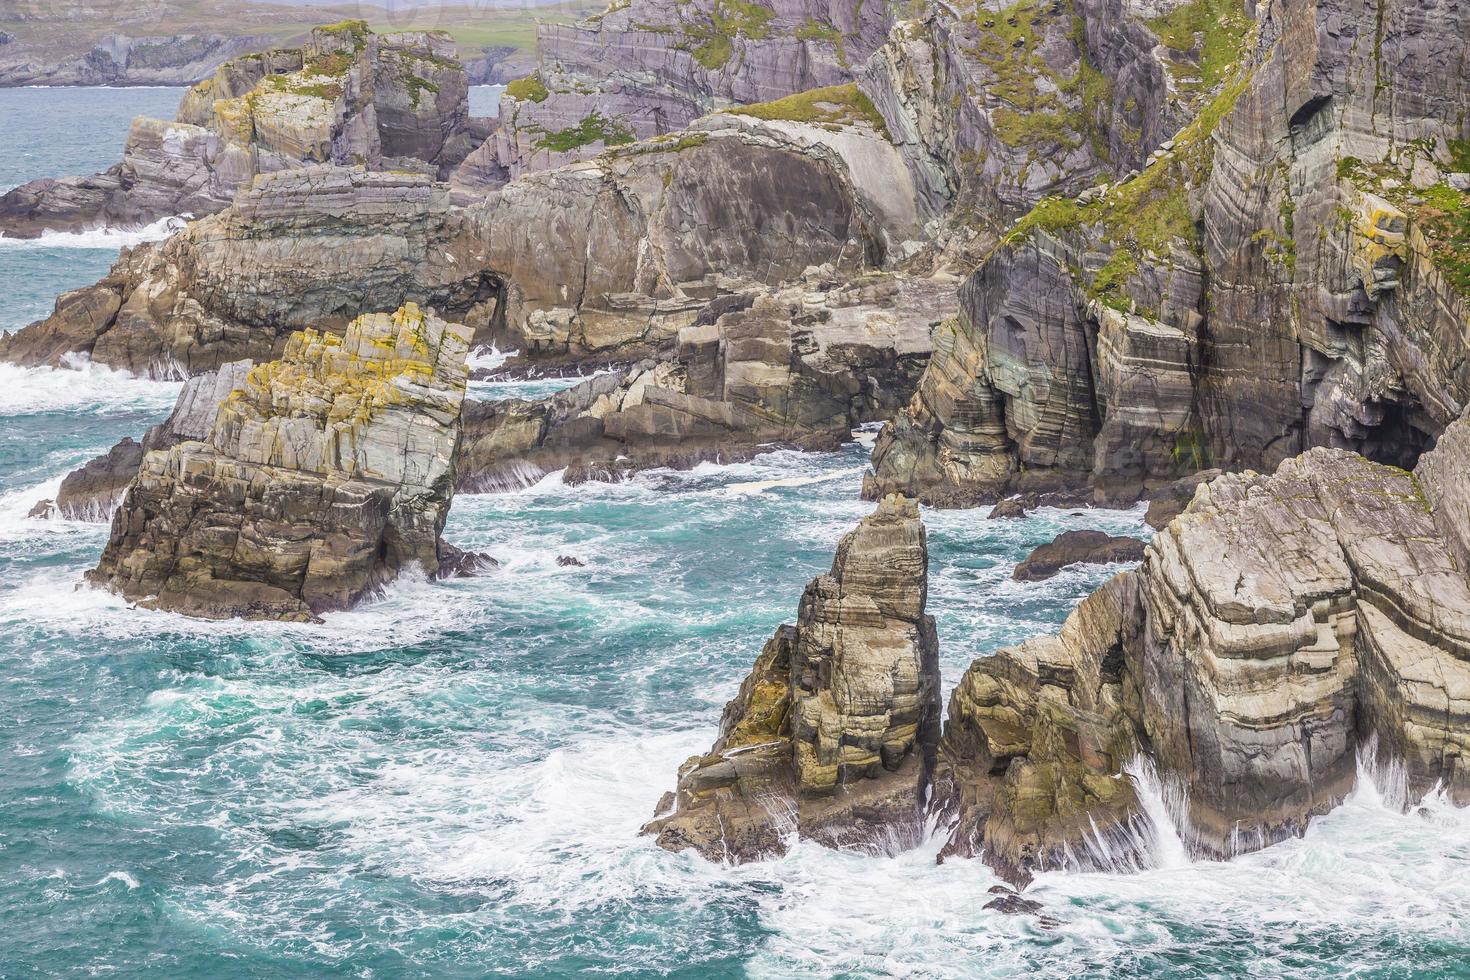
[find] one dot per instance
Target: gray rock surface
(94, 491)
(610, 257)
(390, 101)
(832, 735)
(1279, 629)
(1077, 548)
(649, 67)
(1265, 285)
(324, 475)
(797, 366)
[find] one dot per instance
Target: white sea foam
(81, 387)
(488, 358)
(99, 238)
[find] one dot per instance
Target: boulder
(325, 474)
(832, 734)
(1077, 548)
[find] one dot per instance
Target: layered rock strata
(831, 736)
(324, 475)
(94, 491)
(609, 257)
(1288, 271)
(1279, 627)
(387, 102)
(649, 67)
(799, 366)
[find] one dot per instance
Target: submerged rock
(325, 474)
(832, 735)
(1077, 548)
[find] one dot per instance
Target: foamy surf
(81, 387)
(99, 238)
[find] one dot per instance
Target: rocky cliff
(1286, 272)
(644, 68)
(349, 96)
(94, 491)
(324, 475)
(606, 257)
(1280, 627)
(122, 59)
(832, 735)
(799, 365)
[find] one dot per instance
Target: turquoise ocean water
(449, 782)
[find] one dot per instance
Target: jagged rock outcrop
(648, 67)
(798, 366)
(1076, 548)
(1284, 273)
(324, 475)
(1279, 627)
(831, 736)
(387, 102)
(607, 257)
(94, 491)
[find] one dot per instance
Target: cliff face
(324, 475)
(831, 736)
(1283, 274)
(1276, 629)
(612, 256)
(387, 102)
(647, 67)
(94, 491)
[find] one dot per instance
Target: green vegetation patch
(713, 43)
(594, 128)
(836, 105)
(528, 89)
(813, 30)
(1212, 31)
(1146, 214)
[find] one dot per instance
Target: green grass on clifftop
(834, 106)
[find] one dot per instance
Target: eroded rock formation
(1277, 628)
(94, 491)
(1077, 548)
(799, 366)
(324, 475)
(831, 736)
(606, 257)
(647, 67)
(387, 102)
(1284, 273)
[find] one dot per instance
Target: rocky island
(324, 475)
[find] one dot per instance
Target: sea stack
(325, 474)
(832, 735)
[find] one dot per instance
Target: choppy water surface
(450, 782)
